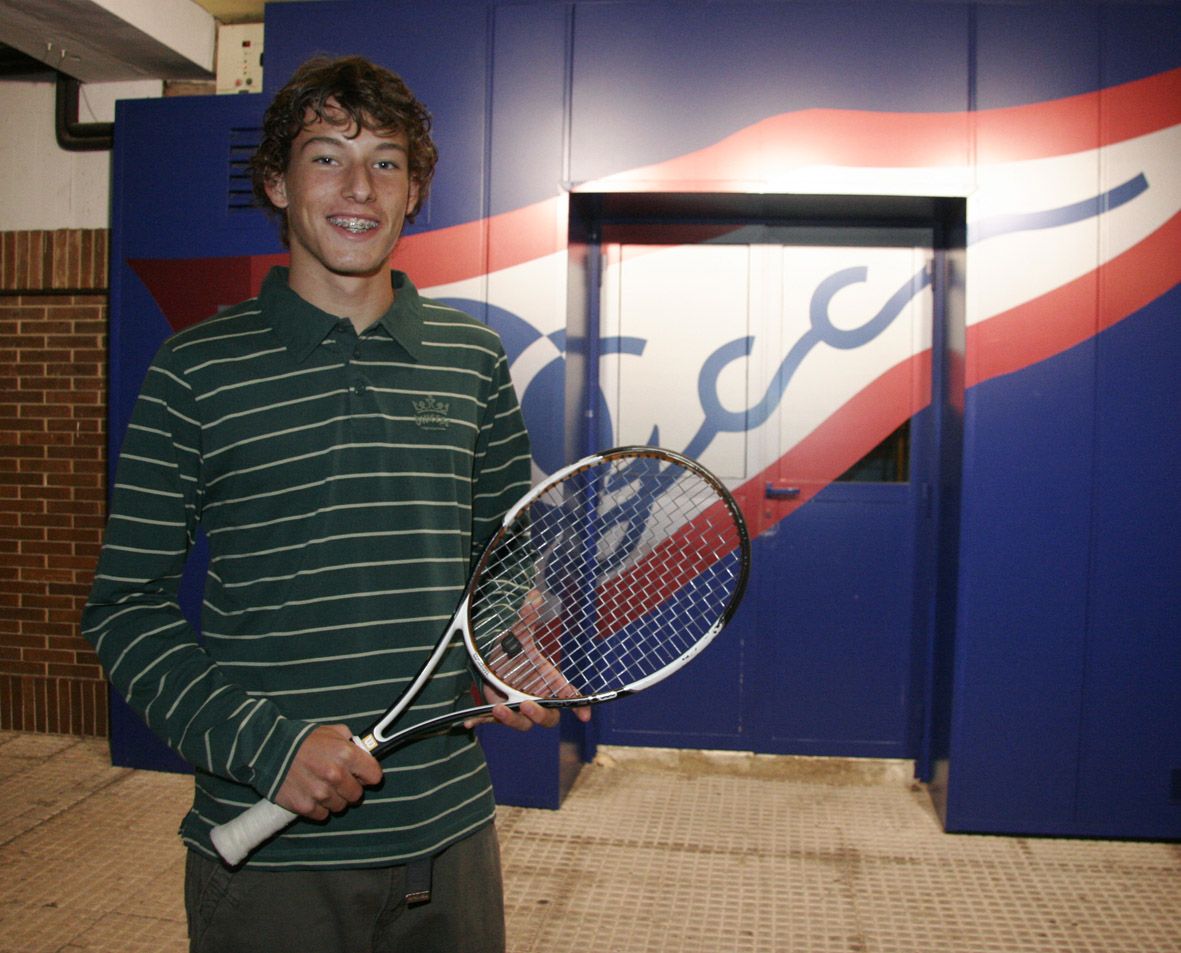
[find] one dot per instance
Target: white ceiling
(235, 11)
(107, 40)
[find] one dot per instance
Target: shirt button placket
(357, 385)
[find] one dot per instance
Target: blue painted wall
(1051, 680)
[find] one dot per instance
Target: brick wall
(53, 326)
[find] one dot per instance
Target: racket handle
(237, 838)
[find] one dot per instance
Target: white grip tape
(237, 838)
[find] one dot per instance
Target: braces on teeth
(354, 225)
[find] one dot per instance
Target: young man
(345, 445)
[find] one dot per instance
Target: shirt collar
(302, 326)
(405, 320)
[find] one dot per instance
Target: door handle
(773, 492)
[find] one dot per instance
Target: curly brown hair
(363, 96)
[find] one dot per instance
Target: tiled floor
(652, 851)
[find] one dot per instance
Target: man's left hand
(530, 714)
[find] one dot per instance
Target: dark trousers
(378, 910)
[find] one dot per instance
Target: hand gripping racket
(602, 581)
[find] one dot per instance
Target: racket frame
(379, 740)
(236, 838)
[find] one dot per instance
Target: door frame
(936, 450)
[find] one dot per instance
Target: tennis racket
(600, 582)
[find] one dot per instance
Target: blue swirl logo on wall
(542, 392)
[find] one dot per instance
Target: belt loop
(418, 881)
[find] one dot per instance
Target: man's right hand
(328, 774)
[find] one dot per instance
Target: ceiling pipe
(74, 136)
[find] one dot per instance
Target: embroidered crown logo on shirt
(431, 414)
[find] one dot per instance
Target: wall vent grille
(243, 143)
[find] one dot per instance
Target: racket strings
(608, 577)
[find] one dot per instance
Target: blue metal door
(796, 363)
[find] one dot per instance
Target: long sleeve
(151, 653)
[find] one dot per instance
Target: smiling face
(346, 193)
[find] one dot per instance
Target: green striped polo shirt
(342, 482)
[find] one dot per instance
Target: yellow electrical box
(239, 58)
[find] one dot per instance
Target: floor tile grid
(83, 846)
(687, 864)
(41, 778)
(1047, 893)
(870, 866)
(650, 852)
